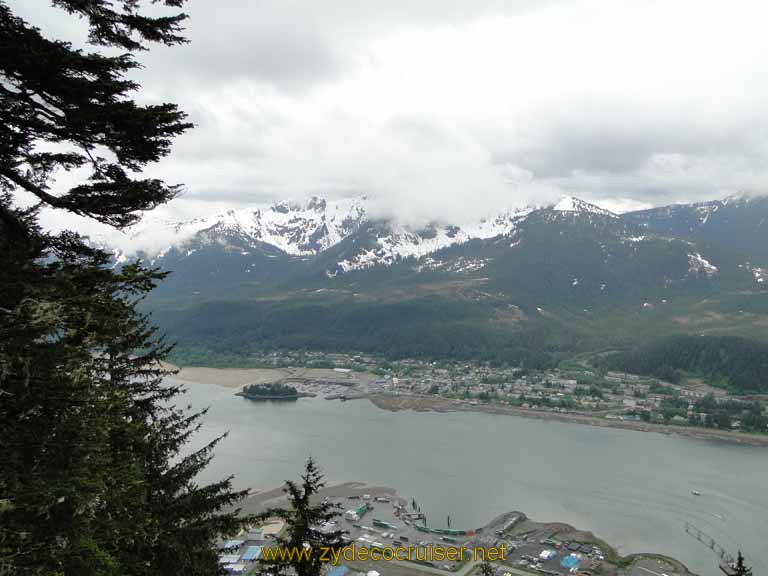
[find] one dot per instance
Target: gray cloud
(247, 46)
(294, 45)
(453, 109)
(615, 138)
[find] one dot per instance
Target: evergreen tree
(93, 476)
(741, 569)
(51, 93)
(309, 521)
(486, 568)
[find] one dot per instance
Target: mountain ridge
(316, 225)
(289, 244)
(533, 284)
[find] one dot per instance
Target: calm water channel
(632, 489)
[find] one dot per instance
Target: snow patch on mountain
(305, 229)
(706, 210)
(402, 243)
(458, 265)
(698, 264)
(571, 204)
(759, 274)
(298, 229)
(294, 228)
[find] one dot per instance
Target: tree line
(736, 363)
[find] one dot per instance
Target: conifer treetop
(64, 108)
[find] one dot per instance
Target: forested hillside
(738, 364)
(431, 327)
(526, 288)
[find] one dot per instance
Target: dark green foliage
(754, 420)
(737, 363)
(722, 413)
(671, 407)
(575, 260)
(94, 477)
(273, 390)
(50, 92)
(88, 430)
(659, 388)
(304, 517)
(422, 328)
(486, 568)
(741, 568)
(592, 390)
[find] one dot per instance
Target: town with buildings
(573, 388)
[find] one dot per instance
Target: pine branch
(41, 194)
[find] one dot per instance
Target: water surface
(632, 489)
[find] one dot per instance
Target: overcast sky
(448, 109)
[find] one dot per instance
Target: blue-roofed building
(571, 561)
(252, 553)
(339, 571)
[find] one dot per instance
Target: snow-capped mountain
(571, 204)
(293, 228)
(330, 275)
(323, 238)
(399, 242)
(736, 224)
(575, 249)
(309, 228)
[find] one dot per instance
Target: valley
(526, 287)
(495, 315)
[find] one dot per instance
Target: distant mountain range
(561, 278)
(308, 229)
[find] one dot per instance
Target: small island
(274, 391)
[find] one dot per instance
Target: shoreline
(236, 378)
(437, 404)
(616, 563)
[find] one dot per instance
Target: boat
(695, 492)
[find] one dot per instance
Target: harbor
(377, 518)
